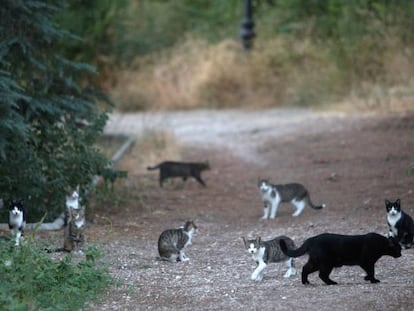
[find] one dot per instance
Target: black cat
(401, 225)
(184, 170)
(327, 251)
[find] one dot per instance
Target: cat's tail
(293, 252)
(310, 203)
(151, 168)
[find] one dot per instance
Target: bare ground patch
(352, 169)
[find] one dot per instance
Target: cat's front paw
(290, 272)
(257, 277)
(371, 279)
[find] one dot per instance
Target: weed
(31, 280)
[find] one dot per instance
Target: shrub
(48, 121)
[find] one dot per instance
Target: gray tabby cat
(273, 195)
(74, 237)
(75, 222)
(172, 242)
(265, 252)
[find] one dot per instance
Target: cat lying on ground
(327, 251)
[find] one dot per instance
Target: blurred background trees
(168, 54)
(165, 54)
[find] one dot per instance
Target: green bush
(49, 117)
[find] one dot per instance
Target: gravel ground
(349, 162)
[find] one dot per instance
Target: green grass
(31, 280)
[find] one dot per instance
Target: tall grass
(277, 72)
(150, 149)
(186, 54)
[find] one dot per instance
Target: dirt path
(238, 131)
(351, 163)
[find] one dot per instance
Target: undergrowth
(31, 280)
(307, 53)
(278, 72)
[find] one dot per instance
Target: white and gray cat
(294, 193)
(265, 252)
(172, 242)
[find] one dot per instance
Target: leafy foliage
(358, 35)
(31, 280)
(48, 120)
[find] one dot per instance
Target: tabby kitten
(172, 242)
(184, 170)
(74, 225)
(265, 252)
(74, 238)
(17, 219)
(273, 195)
(401, 225)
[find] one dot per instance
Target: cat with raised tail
(294, 193)
(169, 169)
(172, 242)
(17, 219)
(327, 251)
(265, 252)
(401, 225)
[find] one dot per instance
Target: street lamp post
(246, 31)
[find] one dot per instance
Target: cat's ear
(398, 202)
(387, 202)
